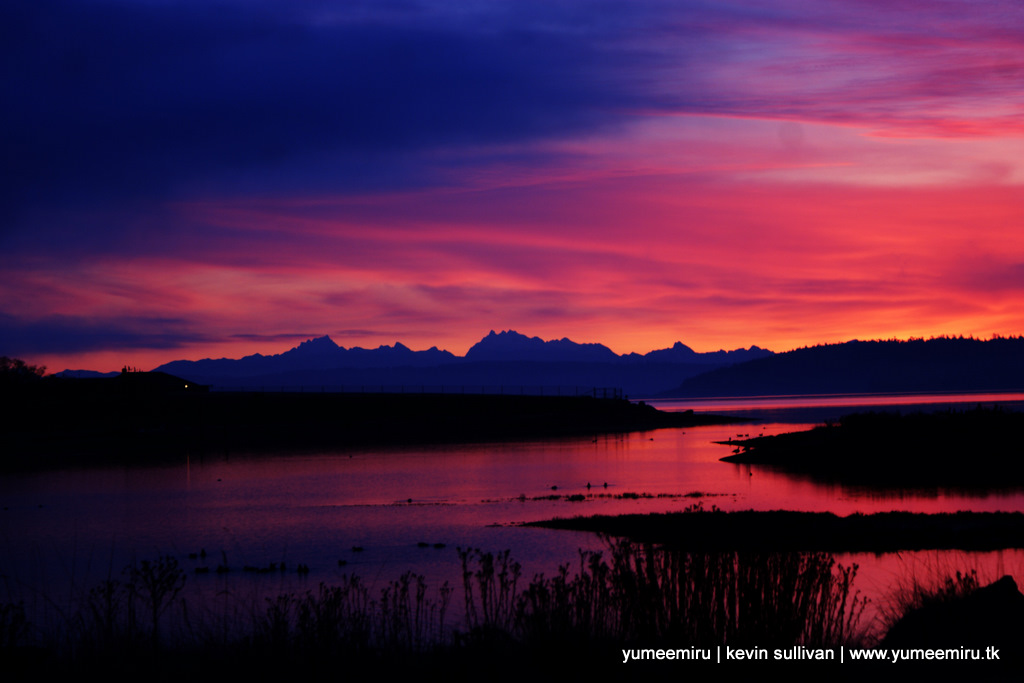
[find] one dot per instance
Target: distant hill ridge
(942, 364)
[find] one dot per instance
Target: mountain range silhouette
(500, 358)
(511, 359)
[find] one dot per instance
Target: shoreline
(57, 427)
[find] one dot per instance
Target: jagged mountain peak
(501, 358)
(509, 345)
(508, 335)
(322, 344)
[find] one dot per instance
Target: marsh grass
(346, 619)
(643, 593)
(926, 585)
(124, 615)
(919, 595)
(14, 628)
(630, 593)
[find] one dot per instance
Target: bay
(381, 512)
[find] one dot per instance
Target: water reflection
(59, 530)
(818, 408)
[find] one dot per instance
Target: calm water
(62, 531)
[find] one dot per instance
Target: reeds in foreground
(632, 594)
(920, 593)
(648, 594)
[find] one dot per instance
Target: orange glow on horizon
(663, 239)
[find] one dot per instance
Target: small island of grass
(783, 530)
(981, 448)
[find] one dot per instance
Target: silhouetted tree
(14, 371)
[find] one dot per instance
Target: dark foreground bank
(60, 421)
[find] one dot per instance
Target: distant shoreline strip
(783, 530)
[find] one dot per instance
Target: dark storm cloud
(108, 100)
(111, 100)
(70, 333)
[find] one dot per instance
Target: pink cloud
(776, 174)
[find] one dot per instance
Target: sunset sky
(205, 178)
